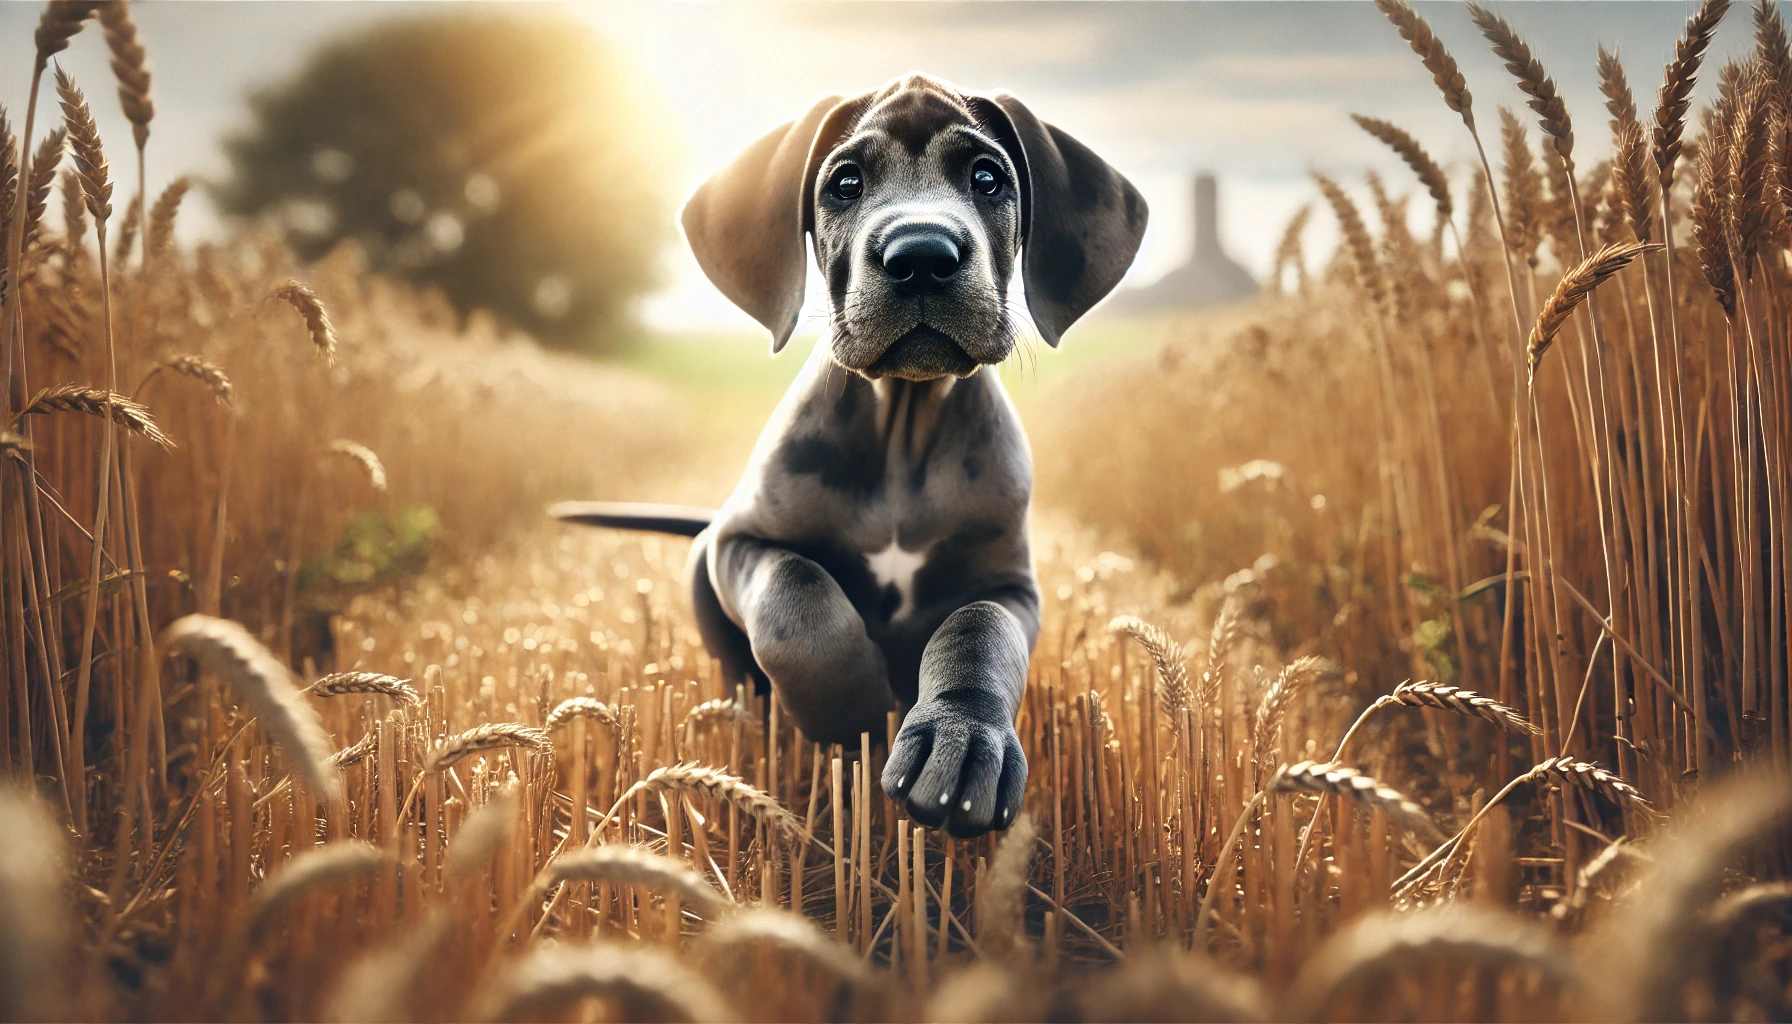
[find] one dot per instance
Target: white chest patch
(896, 567)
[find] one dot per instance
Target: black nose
(920, 262)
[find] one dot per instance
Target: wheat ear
(299, 296)
(1533, 81)
(1463, 702)
(1318, 777)
(331, 864)
(1378, 948)
(226, 649)
(1220, 641)
(1436, 59)
(91, 170)
(716, 712)
(365, 457)
(338, 684)
(1173, 691)
(582, 707)
(1356, 239)
(60, 21)
(356, 752)
(1163, 982)
(1614, 85)
(490, 736)
(1593, 779)
(696, 778)
(484, 833)
(1429, 173)
(621, 864)
(158, 236)
(1632, 181)
(741, 936)
(130, 66)
(42, 179)
(1710, 233)
(1291, 679)
(1572, 290)
(77, 398)
(640, 983)
(1676, 86)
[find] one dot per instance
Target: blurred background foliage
(508, 161)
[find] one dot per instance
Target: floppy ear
(1081, 221)
(746, 223)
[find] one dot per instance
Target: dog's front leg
(957, 760)
(808, 639)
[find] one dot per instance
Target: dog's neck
(908, 412)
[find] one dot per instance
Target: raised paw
(952, 770)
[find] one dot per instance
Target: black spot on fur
(824, 459)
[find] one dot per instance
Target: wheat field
(1415, 639)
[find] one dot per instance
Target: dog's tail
(680, 520)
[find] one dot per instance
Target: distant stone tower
(1209, 278)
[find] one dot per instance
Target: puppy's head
(921, 200)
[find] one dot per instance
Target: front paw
(959, 766)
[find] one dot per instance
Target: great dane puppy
(874, 554)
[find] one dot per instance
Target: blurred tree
(509, 160)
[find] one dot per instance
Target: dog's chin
(922, 354)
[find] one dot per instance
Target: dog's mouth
(923, 354)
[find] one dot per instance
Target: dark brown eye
(847, 185)
(986, 178)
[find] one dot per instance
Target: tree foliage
(509, 160)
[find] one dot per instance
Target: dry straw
(487, 737)
(1429, 173)
(363, 456)
(1367, 955)
(639, 983)
(1573, 290)
(35, 916)
(226, 649)
(339, 684)
(582, 707)
(98, 402)
(332, 864)
(638, 866)
(1173, 691)
(299, 296)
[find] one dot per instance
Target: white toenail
(965, 806)
(899, 782)
(944, 797)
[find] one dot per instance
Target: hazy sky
(1258, 92)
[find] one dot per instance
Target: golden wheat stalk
(1330, 777)
(35, 916)
(638, 982)
(1464, 702)
(1436, 59)
(696, 778)
(1572, 290)
(300, 297)
(622, 864)
(1632, 182)
(130, 66)
(97, 402)
(582, 707)
(337, 863)
(1676, 86)
(60, 21)
(1288, 250)
(1356, 240)
(158, 237)
(1593, 779)
(1293, 677)
(1173, 690)
(91, 170)
(202, 370)
(365, 457)
(1429, 173)
(1224, 636)
(1532, 80)
(716, 712)
(1377, 948)
(357, 752)
(338, 684)
(490, 736)
(226, 650)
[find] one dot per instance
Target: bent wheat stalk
(1173, 692)
(1573, 290)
